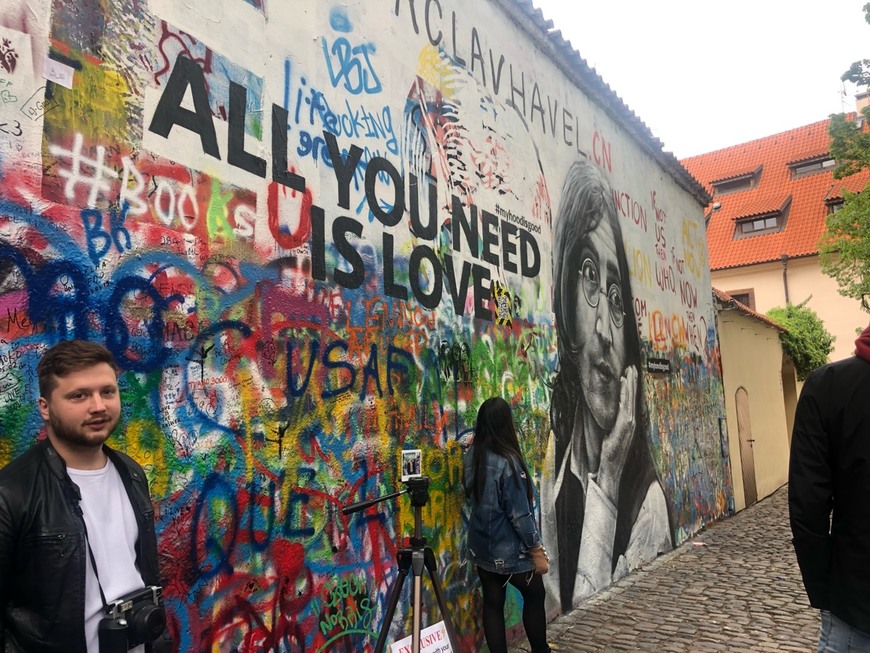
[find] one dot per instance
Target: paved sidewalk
(740, 591)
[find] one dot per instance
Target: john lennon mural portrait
(604, 511)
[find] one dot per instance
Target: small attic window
(834, 205)
(759, 225)
(733, 185)
(811, 166)
(736, 183)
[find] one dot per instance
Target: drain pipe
(784, 258)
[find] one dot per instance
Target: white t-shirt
(112, 534)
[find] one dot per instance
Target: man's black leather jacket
(43, 552)
(829, 489)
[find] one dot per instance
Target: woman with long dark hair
(503, 538)
(605, 510)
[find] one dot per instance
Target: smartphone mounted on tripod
(413, 560)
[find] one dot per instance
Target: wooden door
(747, 459)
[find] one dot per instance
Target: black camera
(135, 618)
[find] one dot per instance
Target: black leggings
(531, 586)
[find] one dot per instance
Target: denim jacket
(502, 526)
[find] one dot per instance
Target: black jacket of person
(43, 552)
(829, 489)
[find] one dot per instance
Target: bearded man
(76, 519)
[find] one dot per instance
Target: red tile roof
(726, 301)
(806, 213)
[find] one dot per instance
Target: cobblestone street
(733, 587)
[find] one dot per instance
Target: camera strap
(91, 556)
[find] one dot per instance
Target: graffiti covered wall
(317, 234)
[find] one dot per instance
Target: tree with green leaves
(807, 341)
(844, 248)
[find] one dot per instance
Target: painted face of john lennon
(599, 334)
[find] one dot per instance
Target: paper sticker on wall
(8, 56)
(57, 72)
(20, 110)
(502, 304)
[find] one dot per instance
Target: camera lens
(146, 622)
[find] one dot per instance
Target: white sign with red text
(433, 639)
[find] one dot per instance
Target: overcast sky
(704, 75)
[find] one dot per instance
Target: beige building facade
(760, 397)
(797, 280)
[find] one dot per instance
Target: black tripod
(412, 558)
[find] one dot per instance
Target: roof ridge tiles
(593, 85)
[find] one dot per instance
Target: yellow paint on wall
(95, 106)
(145, 442)
(5, 451)
(436, 70)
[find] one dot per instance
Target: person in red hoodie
(829, 496)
